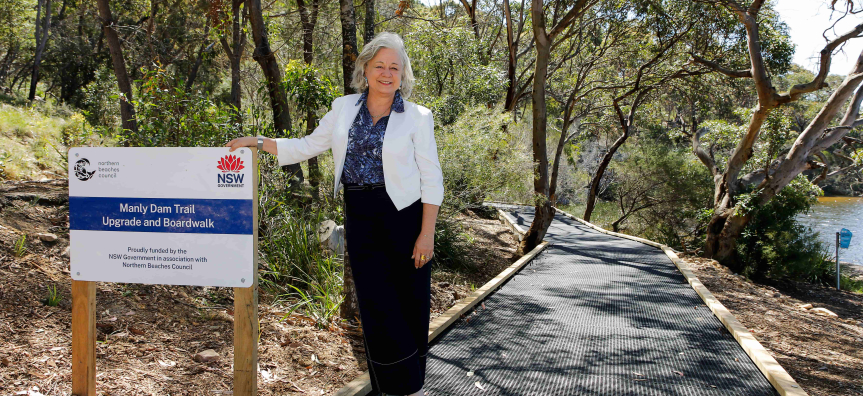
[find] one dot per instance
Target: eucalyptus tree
(517, 84)
(348, 17)
(266, 58)
(735, 193)
(647, 58)
(43, 26)
(546, 37)
(109, 27)
(369, 21)
(234, 51)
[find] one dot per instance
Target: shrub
(480, 154)
(774, 245)
(168, 116)
(295, 268)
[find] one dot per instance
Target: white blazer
(409, 154)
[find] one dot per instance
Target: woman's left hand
(423, 250)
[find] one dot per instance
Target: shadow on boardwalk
(592, 315)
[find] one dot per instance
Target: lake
(832, 214)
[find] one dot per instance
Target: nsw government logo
(81, 170)
(230, 165)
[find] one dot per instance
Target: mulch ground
(148, 335)
(822, 353)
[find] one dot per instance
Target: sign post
(843, 240)
(176, 216)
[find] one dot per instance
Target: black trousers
(394, 296)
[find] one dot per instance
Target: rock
(332, 237)
(207, 356)
(777, 295)
(47, 237)
(443, 284)
(5, 362)
(66, 252)
(823, 312)
(806, 306)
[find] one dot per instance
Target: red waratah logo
(230, 163)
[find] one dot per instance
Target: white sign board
(176, 216)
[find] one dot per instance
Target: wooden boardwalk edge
(772, 370)
(361, 385)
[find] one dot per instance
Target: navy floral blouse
(363, 162)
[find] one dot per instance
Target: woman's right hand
(252, 141)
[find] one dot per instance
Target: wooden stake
(83, 338)
(246, 328)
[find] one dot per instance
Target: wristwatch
(260, 143)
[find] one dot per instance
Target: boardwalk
(591, 315)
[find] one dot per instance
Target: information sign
(845, 238)
(177, 216)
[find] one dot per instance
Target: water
(832, 214)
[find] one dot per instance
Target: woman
(385, 157)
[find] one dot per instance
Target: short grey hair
(384, 40)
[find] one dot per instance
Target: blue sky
(808, 19)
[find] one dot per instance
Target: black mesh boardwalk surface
(592, 314)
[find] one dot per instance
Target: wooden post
(83, 338)
(246, 329)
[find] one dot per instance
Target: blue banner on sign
(845, 238)
(173, 215)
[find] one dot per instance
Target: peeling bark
(728, 223)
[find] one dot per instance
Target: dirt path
(822, 353)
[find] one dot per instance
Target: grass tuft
(20, 248)
(53, 297)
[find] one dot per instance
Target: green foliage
(52, 296)
(453, 71)
(296, 269)
(308, 87)
(662, 190)
(720, 35)
(479, 155)
(168, 116)
(774, 245)
(20, 247)
(451, 245)
(35, 140)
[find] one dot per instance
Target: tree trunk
(314, 169)
(511, 64)
(350, 308)
(544, 211)
(308, 19)
(127, 109)
(234, 51)
(41, 40)
(193, 73)
(8, 60)
(349, 42)
(600, 171)
(470, 8)
(723, 230)
(273, 73)
(369, 33)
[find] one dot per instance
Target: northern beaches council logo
(81, 170)
(230, 176)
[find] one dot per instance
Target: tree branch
(826, 57)
(721, 69)
(705, 157)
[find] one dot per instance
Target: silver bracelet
(260, 143)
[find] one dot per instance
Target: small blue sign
(845, 238)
